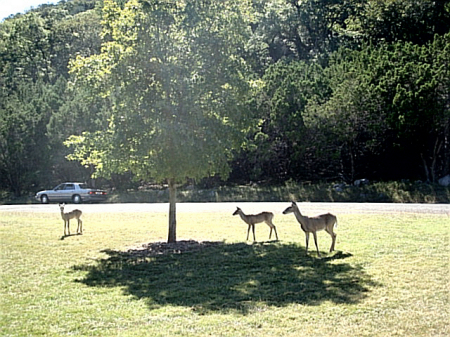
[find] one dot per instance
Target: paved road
(307, 208)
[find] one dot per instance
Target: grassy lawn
(389, 277)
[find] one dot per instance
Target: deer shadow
(69, 235)
(216, 276)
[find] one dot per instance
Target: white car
(71, 192)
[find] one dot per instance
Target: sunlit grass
(390, 277)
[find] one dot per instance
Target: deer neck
(300, 218)
(243, 216)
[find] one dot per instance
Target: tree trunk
(436, 150)
(352, 163)
(425, 167)
(172, 212)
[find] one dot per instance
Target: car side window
(60, 187)
(69, 187)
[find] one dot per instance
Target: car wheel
(44, 199)
(76, 199)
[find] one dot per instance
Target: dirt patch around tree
(164, 248)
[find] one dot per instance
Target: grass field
(390, 276)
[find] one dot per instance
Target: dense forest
(257, 90)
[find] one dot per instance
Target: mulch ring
(179, 247)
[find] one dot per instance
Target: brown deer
(253, 219)
(314, 224)
(75, 214)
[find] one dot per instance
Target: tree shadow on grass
(216, 276)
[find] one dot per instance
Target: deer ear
(294, 204)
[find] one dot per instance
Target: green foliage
(175, 85)
(416, 21)
(296, 30)
(34, 51)
(278, 141)
(367, 107)
(340, 89)
(23, 142)
(396, 93)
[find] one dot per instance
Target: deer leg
(248, 231)
(253, 229)
(80, 227)
(315, 241)
(333, 238)
(307, 241)
(272, 227)
(67, 225)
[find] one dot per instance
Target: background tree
(280, 147)
(388, 104)
(389, 21)
(34, 50)
(420, 110)
(25, 99)
(297, 30)
(175, 83)
(391, 81)
(351, 121)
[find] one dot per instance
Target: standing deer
(75, 214)
(253, 219)
(314, 224)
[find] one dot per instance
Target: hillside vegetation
(266, 91)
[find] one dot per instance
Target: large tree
(175, 85)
